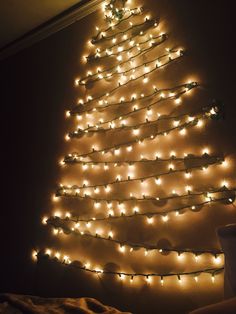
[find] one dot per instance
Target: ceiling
(21, 16)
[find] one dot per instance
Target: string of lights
(182, 127)
(65, 260)
(104, 104)
(126, 45)
(125, 39)
(117, 71)
(79, 133)
(73, 159)
(155, 176)
(144, 76)
(60, 225)
(103, 37)
(74, 192)
(108, 52)
(136, 213)
(135, 110)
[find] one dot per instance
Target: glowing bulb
(225, 184)
(165, 218)
(188, 188)
(183, 131)
(136, 209)
(97, 205)
(162, 281)
(57, 214)
(217, 259)
(107, 189)
(136, 131)
(158, 181)
(67, 137)
(122, 248)
(48, 252)
(148, 279)
(179, 279)
(129, 148)
(206, 151)
(44, 220)
(145, 80)
(150, 220)
(85, 166)
(110, 234)
(225, 163)
(85, 183)
(111, 212)
(57, 255)
(178, 101)
(175, 123)
(188, 175)
(199, 123)
(117, 151)
(213, 278)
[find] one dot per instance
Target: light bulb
(122, 248)
(158, 181)
(150, 220)
(136, 131)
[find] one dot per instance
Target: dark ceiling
(20, 17)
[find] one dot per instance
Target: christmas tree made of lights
(122, 176)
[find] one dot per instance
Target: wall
(37, 88)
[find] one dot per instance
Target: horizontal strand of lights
(73, 158)
(129, 12)
(65, 260)
(116, 70)
(144, 76)
(74, 192)
(79, 133)
(126, 39)
(165, 93)
(103, 37)
(154, 176)
(182, 127)
(146, 67)
(147, 215)
(123, 247)
(135, 110)
(59, 224)
(120, 50)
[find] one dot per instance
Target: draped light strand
(124, 127)
(103, 36)
(74, 192)
(109, 52)
(156, 176)
(60, 226)
(156, 63)
(65, 260)
(104, 104)
(136, 213)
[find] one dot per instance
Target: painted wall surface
(37, 89)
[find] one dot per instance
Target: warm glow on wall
(135, 162)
